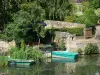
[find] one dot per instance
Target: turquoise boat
(64, 54)
(19, 62)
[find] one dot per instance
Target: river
(84, 65)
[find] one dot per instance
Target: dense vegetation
(3, 61)
(21, 19)
(91, 49)
(78, 31)
(26, 23)
(24, 20)
(89, 15)
(25, 52)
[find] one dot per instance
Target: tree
(56, 9)
(98, 14)
(38, 15)
(1, 14)
(7, 9)
(89, 18)
(95, 3)
(26, 23)
(36, 11)
(18, 29)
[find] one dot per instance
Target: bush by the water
(3, 61)
(26, 52)
(62, 46)
(54, 45)
(79, 51)
(91, 49)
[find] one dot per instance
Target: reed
(3, 61)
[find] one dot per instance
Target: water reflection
(85, 65)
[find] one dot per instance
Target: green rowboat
(19, 62)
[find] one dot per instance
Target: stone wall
(4, 46)
(61, 24)
(63, 36)
(73, 46)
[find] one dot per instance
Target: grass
(3, 61)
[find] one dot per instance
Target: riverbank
(81, 42)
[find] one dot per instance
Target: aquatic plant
(25, 52)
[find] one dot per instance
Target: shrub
(78, 31)
(62, 46)
(54, 45)
(88, 18)
(79, 51)
(26, 52)
(91, 49)
(3, 61)
(70, 18)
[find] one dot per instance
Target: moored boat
(19, 62)
(64, 54)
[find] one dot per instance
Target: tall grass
(3, 61)
(26, 52)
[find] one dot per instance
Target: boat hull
(64, 54)
(21, 62)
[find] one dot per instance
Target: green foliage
(91, 48)
(36, 11)
(86, 5)
(75, 30)
(33, 53)
(95, 3)
(49, 36)
(89, 17)
(56, 9)
(92, 4)
(25, 24)
(70, 18)
(79, 51)
(22, 44)
(20, 15)
(3, 61)
(97, 12)
(17, 30)
(54, 45)
(7, 8)
(2, 36)
(37, 14)
(25, 53)
(62, 46)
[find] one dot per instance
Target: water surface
(85, 65)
